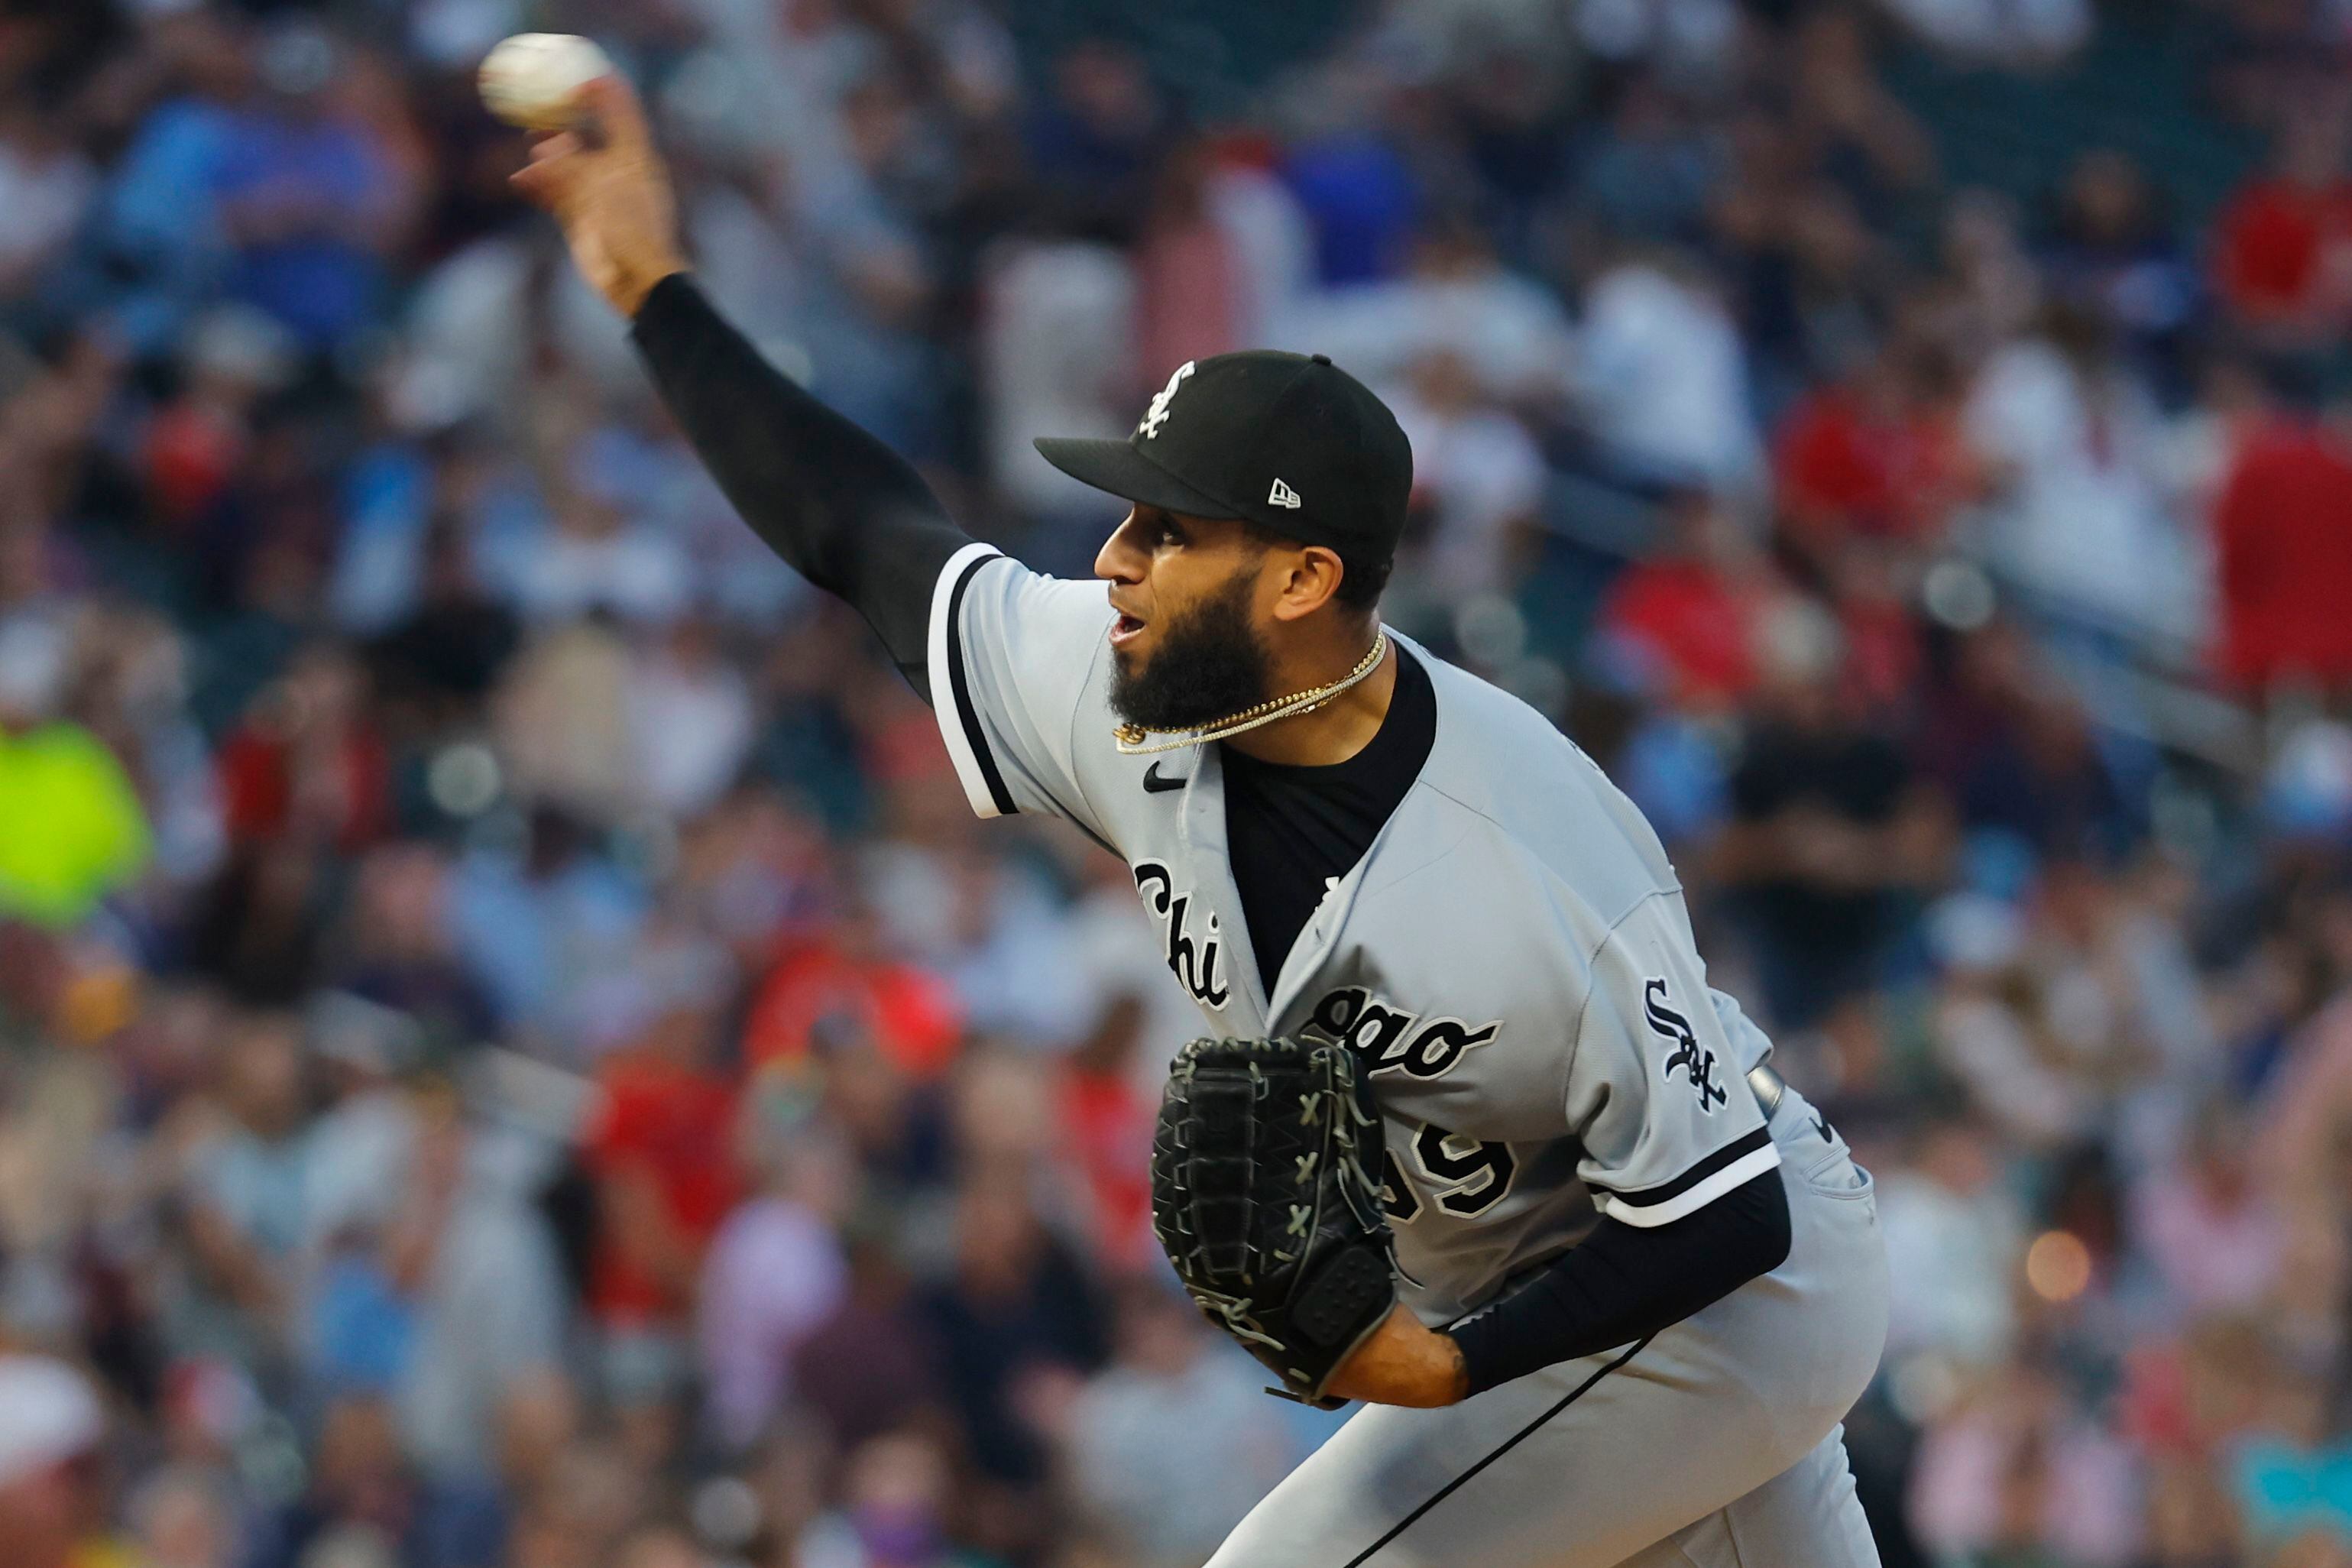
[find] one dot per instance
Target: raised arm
(848, 513)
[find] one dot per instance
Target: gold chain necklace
(1131, 738)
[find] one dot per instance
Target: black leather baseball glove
(1265, 1193)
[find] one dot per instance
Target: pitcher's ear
(1315, 572)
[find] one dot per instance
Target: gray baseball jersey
(1511, 961)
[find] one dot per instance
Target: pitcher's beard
(1209, 664)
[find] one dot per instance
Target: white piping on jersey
(943, 701)
(1740, 1171)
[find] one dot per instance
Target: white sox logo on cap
(1157, 415)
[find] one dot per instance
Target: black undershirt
(854, 518)
(1291, 830)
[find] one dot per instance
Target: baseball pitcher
(1471, 1139)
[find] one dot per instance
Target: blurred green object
(72, 827)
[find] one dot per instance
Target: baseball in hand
(533, 79)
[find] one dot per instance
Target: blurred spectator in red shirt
(2282, 532)
(305, 761)
(662, 1147)
(2282, 249)
(1878, 453)
(843, 976)
(1689, 614)
(196, 443)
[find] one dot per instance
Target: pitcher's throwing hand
(610, 191)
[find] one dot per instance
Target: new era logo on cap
(1283, 495)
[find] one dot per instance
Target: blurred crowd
(514, 1052)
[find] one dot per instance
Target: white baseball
(533, 79)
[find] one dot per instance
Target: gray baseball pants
(1715, 1444)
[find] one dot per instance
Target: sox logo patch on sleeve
(1690, 1058)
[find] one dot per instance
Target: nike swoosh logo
(1154, 784)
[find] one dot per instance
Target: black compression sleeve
(848, 513)
(1625, 1282)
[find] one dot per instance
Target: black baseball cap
(1291, 442)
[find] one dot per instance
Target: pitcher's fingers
(619, 114)
(551, 167)
(540, 183)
